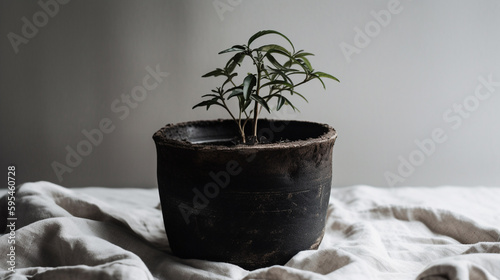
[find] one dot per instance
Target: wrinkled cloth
(419, 233)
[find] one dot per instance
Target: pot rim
(160, 138)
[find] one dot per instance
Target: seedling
(279, 71)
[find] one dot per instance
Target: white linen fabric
(371, 233)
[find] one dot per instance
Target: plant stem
(256, 108)
(242, 129)
(237, 121)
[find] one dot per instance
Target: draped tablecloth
(423, 233)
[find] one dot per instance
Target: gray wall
(413, 105)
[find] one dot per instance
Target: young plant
(278, 72)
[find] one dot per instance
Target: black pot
(251, 205)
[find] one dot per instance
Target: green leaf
(265, 32)
(244, 104)
(308, 64)
(283, 74)
(261, 101)
(283, 70)
(273, 60)
(281, 102)
(236, 92)
(233, 88)
(211, 95)
(217, 72)
(273, 47)
(277, 82)
(294, 92)
(298, 73)
(300, 62)
(208, 103)
(248, 84)
(288, 64)
(325, 75)
(317, 77)
(235, 60)
(236, 48)
(278, 51)
(301, 53)
(287, 102)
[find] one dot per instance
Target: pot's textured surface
(251, 205)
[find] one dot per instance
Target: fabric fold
(371, 233)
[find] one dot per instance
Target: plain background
(396, 88)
